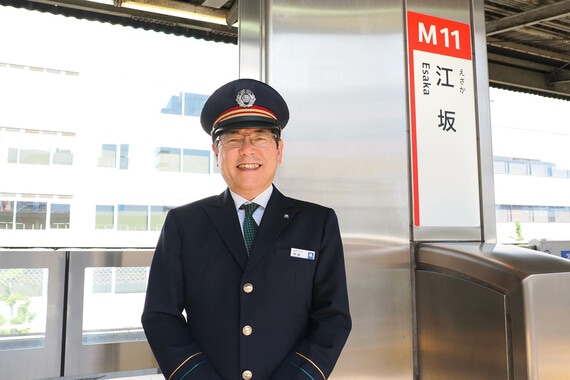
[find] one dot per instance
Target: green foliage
(518, 231)
(18, 303)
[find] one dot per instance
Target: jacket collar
(278, 214)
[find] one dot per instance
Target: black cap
(244, 103)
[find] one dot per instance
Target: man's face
(247, 169)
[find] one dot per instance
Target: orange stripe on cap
(239, 112)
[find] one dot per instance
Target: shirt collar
(261, 199)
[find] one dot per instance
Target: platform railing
(73, 313)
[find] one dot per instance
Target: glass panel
(102, 280)
(124, 159)
(193, 104)
(31, 215)
(562, 215)
(167, 159)
(539, 170)
(500, 167)
(50, 119)
(518, 168)
(560, 173)
(6, 214)
(63, 157)
(502, 214)
(104, 217)
(132, 218)
(12, 155)
(108, 156)
(196, 161)
(59, 216)
(540, 215)
(174, 106)
(34, 157)
(23, 308)
(125, 297)
(522, 214)
(157, 216)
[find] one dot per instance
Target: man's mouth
(248, 166)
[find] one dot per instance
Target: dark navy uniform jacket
(281, 314)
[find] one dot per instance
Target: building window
(124, 157)
(560, 173)
(541, 214)
(518, 168)
(193, 104)
(521, 213)
(132, 218)
(500, 167)
(108, 158)
(59, 216)
(502, 214)
(34, 157)
(12, 156)
(192, 161)
(62, 157)
(562, 214)
(6, 215)
(104, 217)
(540, 169)
(167, 159)
(196, 161)
(174, 106)
(31, 215)
(190, 103)
(157, 217)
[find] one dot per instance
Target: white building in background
(531, 136)
(98, 142)
(99, 130)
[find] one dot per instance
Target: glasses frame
(220, 142)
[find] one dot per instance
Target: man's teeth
(248, 166)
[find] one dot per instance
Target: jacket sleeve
(330, 323)
(162, 319)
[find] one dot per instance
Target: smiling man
(248, 284)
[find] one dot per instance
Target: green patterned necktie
(249, 225)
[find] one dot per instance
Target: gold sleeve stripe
(181, 364)
(314, 365)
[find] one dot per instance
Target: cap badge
(245, 98)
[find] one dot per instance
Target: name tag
(302, 254)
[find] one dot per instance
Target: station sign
(443, 123)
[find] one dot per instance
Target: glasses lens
(235, 140)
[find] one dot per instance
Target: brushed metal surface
(82, 359)
(487, 311)
(42, 362)
(341, 67)
(547, 311)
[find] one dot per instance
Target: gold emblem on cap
(245, 98)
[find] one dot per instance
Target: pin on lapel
(285, 216)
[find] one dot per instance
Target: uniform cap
(244, 103)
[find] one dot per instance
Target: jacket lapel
(222, 213)
(277, 216)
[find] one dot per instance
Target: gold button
(247, 330)
(248, 288)
(246, 375)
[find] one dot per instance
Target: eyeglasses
(236, 140)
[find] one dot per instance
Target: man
(277, 310)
